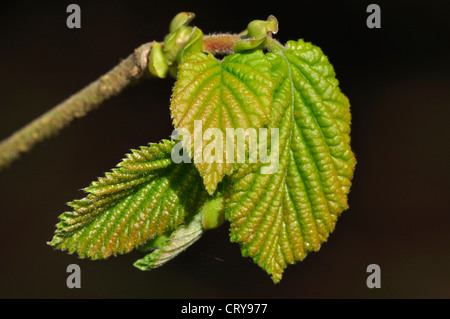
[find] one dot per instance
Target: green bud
(258, 29)
(181, 41)
(255, 35)
(213, 213)
(157, 63)
(175, 41)
(195, 43)
(181, 19)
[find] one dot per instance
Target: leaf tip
(143, 264)
(276, 278)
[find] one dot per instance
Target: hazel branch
(129, 71)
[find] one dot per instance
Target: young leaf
(279, 218)
(144, 197)
(168, 247)
(179, 240)
(211, 96)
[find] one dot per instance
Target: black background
(397, 79)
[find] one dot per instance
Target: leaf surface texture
(234, 93)
(279, 218)
(145, 196)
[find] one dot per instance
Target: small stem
(272, 44)
(220, 43)
(129, 71)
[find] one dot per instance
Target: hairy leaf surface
(144, 197)
(234, 93)
(279, 218)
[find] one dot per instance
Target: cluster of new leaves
(152, 203)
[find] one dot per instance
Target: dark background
(397, 79)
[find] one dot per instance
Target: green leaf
(234, 93)
(169, 246)
(279, 218)
(144, 197)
